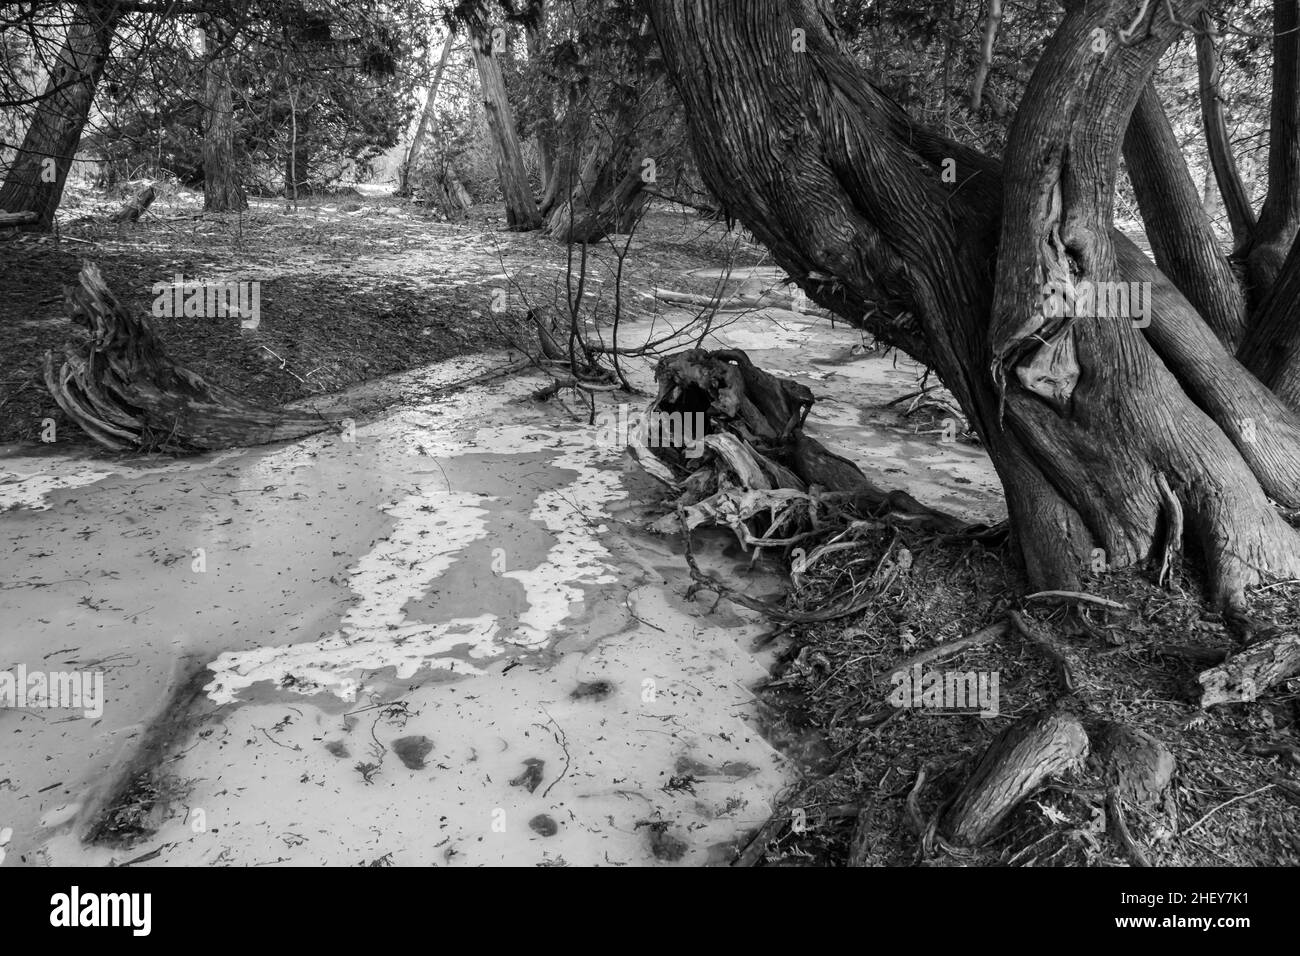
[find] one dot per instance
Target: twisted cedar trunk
(222, 191)
(521, 210)
(41, 165)
(1104, 435)
(1272, 345)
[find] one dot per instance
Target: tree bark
(1085, 420)
(222, 190)
(41, 165)
(1017, 763)
(521, 209)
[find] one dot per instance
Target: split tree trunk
(1182, 237)
(222, 190)
(1104, 434)
(521, 209)
(41, 165)
(605, 194)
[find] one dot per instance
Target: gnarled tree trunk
(607, 191)
(1106, 432)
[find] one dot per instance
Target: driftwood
(134, 208)
(8, 219)
(765, 461)
(742, 302)
(1013, 767)
(948, 649)
(1248, 673)
(123, 390)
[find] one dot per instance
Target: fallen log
(1015, 765)
(135, 207)
(124, 391)
(1246, 675)
(8, 219)
(743, 302)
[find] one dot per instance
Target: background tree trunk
(222, 191)
(535, 37)
(33, 184)
(607, 192)
(426, 118)
(297, 160)
(521, 209)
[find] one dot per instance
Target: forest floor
(351, 288)
(1235, 798)
(355, 288)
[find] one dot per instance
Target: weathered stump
(124, 391)
(765, 414)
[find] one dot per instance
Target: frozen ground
(448, 641)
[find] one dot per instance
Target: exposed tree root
(124, 391)
(1014, 766)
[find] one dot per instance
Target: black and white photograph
(651, 434)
